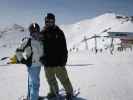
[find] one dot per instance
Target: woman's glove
(13, 60)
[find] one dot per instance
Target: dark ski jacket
(55, 48)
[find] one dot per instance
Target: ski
(60, 96)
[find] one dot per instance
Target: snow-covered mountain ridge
(75, 33)
(100, 25)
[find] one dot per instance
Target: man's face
(49, 22)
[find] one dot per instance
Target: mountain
(100, 25)
(76, 33)
(10, 38)
(14, 27)
(18, 27)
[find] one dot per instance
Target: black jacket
(55, 48)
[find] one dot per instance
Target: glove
(13, 60)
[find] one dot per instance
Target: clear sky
(66, 11)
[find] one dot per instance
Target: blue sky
(66, 11)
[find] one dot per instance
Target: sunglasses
(49, 21)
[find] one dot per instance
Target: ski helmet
(34, 27)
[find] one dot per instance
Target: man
(55, 57)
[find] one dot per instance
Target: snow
(127, 27)
(100, 76)
(107, 77)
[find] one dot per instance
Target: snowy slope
(107, 77)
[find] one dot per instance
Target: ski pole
(4, 58)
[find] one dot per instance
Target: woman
(29, 53)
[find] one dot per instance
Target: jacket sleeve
(64, 48)
(27, 53)
(23, 54)
(63, 39)
(19, 56)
